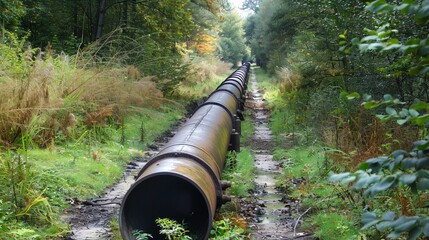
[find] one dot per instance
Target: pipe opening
(165, 196)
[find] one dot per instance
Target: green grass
(269, 85)
(238, 170)
(301, 160)
(306, 164)
(201, 89)
(149, 124)
(306, 169)
(333, 226)
(76, 169)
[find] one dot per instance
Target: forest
(85, 86)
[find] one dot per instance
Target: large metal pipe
(182, 182)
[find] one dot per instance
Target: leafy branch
(382, 40)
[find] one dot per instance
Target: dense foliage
(231, 46)
(85, 86)
(328, 55)
(151, 35)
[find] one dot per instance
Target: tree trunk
(75, 18)
(100, 18)
(133, 12)
(124, 19)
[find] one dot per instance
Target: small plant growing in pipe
(172, 229)
(140, 235)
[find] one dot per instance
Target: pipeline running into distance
(183, 181)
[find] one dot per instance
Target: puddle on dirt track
(90, 219)
(271, 214)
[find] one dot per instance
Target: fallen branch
(297, 221)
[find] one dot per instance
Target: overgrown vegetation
(172, 229)
(239, 169)
(68, 128)
(324, 65)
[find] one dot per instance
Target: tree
(251, 5)
(401, 171)
(100, 18)
(231, 47)
(11, 12)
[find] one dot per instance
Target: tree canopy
(232, 43)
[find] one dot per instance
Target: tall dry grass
(41, 97)
(289, 80)
(365, 137)
(205, 74)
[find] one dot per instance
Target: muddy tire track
(273, 215)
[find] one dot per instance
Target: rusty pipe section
(183, 181)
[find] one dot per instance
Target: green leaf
(422, 163)
(363, 47)
(364, 182)
(367, 97)
(355, 41)
(383, 225)
(408, 178)
(391, 111)
(403, 8)
(385, 34)
(353, 95)
(423, 173)
(412, 41)
(399, 154)
(426, 229)
(379, 160)
(363, 166)
(407, 225)
(348, 180)
(423, 12)
(404, 113)
(388, 98)
(409, 163)
(375, 46)
(393, 41)
(422, 120)
(338, 177)
(383, 185)
(388, 216)
(369, 38)
(369, 219)
(415, 70)
(402, 121)
(414, 113)
(394, 235)
(420, 143)
(424, 51)
(419, 105)
(378, 6)
(415, 233)
(410, 48)
(392, 47)
(423, 184)
(371, 104)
